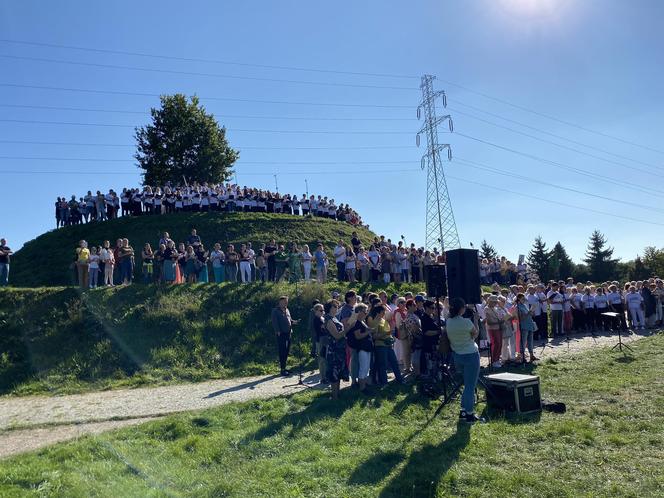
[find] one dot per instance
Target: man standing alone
(340, 258)
(283, 329)
(5, 253)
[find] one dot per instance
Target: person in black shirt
(317, 338)
(431, 332)
(270, 251)
(355, 242)
(194, 240)
(359, 339)
(5, 253)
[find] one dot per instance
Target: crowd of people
(503, 271)
(360, 338)
(172, 199)
(190, 262)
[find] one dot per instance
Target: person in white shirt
(588, 301)
(602, 306)
(543, 324)
(567, 307)
(340, 258)
(252, 261)
(556, 299)
(634, 301)
(218, 259)
(214, 201)
(313, 205)
(205, 202)
(533, 304)
(307, 257)
(245, 268)
(576, 301)
(616, 304)
(107, 257)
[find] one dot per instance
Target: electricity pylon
(441, 228)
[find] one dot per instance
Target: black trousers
(283, 345)
(619, 321)
(578, 320)
(557, 322)
(591, 319)
(542, 322)
(341, 271)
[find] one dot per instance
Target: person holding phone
(462, 333)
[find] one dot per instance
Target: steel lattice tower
(441, 230)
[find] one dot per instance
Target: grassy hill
(59, 340)
(609, 443)
(46, 259)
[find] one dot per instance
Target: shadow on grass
(319, 408)
(422, 470)
(240, 387)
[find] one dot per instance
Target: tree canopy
(487, 250)
(538, 258)
(598, 258)
(561, 265)
(183, 141)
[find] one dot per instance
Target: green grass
(609, 443)
(46, 259)
(59, 340)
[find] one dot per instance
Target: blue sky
(596, 64)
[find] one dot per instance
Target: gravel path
(29, 423)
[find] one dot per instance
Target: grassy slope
(58, 340)
(45, 260)
(609, 443)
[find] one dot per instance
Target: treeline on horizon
(598, 264)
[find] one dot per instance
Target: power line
(621, 183)
(240, 162)
(366, 147)
(288, 173)
(211, 61)
(225, 99)
(113, 125)
(557, 144)
(582, 208)
(221, 115)
(196, 73)
(534, 128)
(328, 71)
(553, 118)
(490, 169)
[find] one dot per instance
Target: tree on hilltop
(538, 259)
(653, 259)
(561, 265)
(598, 258)
(487, 250)
(183, 141)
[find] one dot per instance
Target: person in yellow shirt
(383, 342)
(82, 261)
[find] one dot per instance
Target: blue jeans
(219, 272)
(385, 357)
(526, 338)
(4, 274)
(469, 365)
(126, 269)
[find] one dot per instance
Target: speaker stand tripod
(621, 345)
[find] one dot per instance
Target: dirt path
(29, 423)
